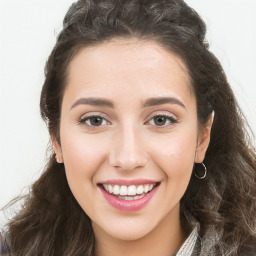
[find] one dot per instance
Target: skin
(128, 144)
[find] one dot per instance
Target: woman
(151, 154)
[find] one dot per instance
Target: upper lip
(128, 182)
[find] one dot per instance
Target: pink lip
(125, 205)
(128, 182)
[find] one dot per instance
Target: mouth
(129, 193)
(128, 198)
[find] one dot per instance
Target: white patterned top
(189, 245)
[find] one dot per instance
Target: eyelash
(83, 120)
(171, 119)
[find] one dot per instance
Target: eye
(94, 121)
(162, 120)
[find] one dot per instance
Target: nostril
(127, 156)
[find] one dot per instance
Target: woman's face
(128, 126)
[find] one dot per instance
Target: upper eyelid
(175, 120)
(87, 116)
(152, 115)
(162, 113)
(104, 116)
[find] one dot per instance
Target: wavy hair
(51, 222)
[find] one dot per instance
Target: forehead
(127, 65)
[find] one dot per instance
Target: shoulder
(3, 245)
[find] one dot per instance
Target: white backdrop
(28, 31)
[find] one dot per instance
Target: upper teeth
(128, 190)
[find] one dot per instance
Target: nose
(127, 151)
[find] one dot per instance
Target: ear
(57, 149)
(203, 139)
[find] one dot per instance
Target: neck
(163, 240)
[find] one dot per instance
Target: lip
(126, 205)
(128, 182)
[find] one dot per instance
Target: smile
(131, 192)
(128, 198)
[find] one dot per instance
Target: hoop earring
(201, 177)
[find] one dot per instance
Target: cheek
(175, 158)
(83, 156)
(175, 154)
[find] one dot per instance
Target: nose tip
(127, 161)
(127, 154)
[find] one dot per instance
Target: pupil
(160, 120)
(96, 121)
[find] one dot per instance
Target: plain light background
(28, 31)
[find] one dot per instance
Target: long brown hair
(51, 221)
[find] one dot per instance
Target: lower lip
(126, 205)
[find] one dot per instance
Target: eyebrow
(94, 102)
(107, 103)
(163, 100)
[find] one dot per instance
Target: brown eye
(162, 120)
(93, 121)
(96, 120)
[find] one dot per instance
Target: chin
(128, 231)
(130, 235)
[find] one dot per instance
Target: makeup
(129, 196)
